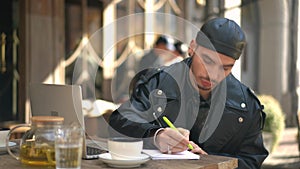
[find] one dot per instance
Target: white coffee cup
(3, 134)
(121, 148)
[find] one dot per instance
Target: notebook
(64, 101)
(157, 155)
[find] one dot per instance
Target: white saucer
(106, 158)
(3, 147)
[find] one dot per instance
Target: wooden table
(205, 162)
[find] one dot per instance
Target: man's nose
(215, 73)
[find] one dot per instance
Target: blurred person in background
(158, 55)
(178, 54)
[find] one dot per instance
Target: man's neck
(204, 94)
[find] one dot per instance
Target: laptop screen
(64, 101)
(57, 100)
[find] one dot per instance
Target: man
(215, 112)
(178, 54)
(156, 57)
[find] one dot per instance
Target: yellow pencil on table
(170, 124)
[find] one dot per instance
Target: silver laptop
(64, 101)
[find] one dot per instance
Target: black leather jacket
(232, 125)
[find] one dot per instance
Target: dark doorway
(9, 60)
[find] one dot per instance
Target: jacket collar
(236, 97)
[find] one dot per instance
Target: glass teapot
(37, 144)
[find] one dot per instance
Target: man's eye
(207, 61)
(226, 69)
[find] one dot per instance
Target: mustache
(209, 79)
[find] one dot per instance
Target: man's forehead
(213, 55)
(200, 50)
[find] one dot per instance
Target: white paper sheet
(157, 155)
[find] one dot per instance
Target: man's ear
(192, 47)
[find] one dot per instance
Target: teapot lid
(47, 119)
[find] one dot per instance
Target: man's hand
(197, 149)
(172, 141)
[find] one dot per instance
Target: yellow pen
(170, 124)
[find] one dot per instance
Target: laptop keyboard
(94, 151)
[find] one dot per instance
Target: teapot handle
(8, 137)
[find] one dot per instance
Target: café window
(82, 20)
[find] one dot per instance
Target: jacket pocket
(229, 126)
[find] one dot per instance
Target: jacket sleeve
(134, 118)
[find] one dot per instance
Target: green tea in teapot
(33, 154)
(37, 144)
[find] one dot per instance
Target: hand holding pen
(173, 140)
(170, 124)
(170, 141)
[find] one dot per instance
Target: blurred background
(43, 40)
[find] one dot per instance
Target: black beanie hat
(222, 35)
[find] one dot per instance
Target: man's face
(209, 67)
